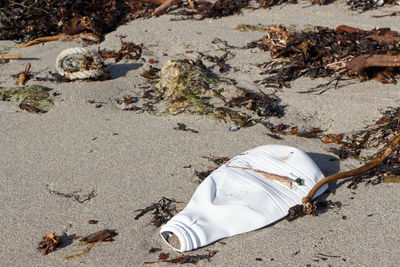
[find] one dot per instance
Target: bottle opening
(172, 240)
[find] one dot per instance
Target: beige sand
(74, 146)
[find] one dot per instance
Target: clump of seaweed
(188, 86)
(324, 52)
(35, 96)
(193, 259)
(374, 136)
(91, 241)
(163, 211)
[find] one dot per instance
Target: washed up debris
(234, 196)
(163, 211)
(320, 205)
(151, 74)
(188, 86)
(93, 239)
(234, 128)
(391, 179)
(365, 5)
(86, 38)
(260, 103)
(28, 20)
(32, 98)
(153, 250)
(193, 259)
(6, 58)
(125, 52)
(251, 28)
(80, 63)
(89, 21)
(309, 206)
(374, 136)
(30, 108)
(23, 76)
(81, 198)
(104, 235)
(217, 162)
(49, 243)
(325, 52)
(283, 129)
(183, 127)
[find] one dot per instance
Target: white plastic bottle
(252, 190)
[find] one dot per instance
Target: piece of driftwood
(16, 56)
(358, 64)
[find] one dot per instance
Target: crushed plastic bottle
(252, 190)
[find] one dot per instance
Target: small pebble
(234, 128)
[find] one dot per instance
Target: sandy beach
(133, 159)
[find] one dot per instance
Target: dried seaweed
(163, 211)
(283, 129)
(32, 98)
(188, 86)
(326, 52)
(93, 239)
(29, 19)
(217, 162)
(104, 236)
(193, 259)
(125, 52)
(74, 195)
(365, 5)
(183, 127)
(321, 206)
(49, 243)
(372, 137)
(262, 104)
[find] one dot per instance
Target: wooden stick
(191, 4)
(10, 56)
(309, 207)
(22, 76)
(164, 6)
(42, 40)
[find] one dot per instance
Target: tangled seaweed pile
(372, 137)
(28, 19)
(325, 52)
(188, 86)
(24, 20)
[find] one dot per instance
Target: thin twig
(10, 56)
(42, 40)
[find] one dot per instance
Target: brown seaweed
(324, 52)
(163, 211)
(193, 259)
